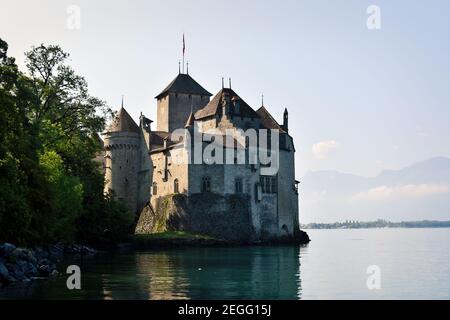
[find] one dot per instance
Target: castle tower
(175, 103)
(122, 159)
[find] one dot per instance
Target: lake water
(413, 264)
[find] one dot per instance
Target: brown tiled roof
(123, 123)
(214, 105)
(267, 120)
(184, 83)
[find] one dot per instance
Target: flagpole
(184, 46)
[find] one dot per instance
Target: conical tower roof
(123, 123)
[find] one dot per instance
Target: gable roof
(184, 83)
(267, 120)
(123, 123)
(215, 104)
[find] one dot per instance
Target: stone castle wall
(288, 221)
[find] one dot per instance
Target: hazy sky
(360, 100)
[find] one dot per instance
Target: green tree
(67, 196)
(23, 189)
(50, 187)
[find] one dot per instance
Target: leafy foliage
(51, 189)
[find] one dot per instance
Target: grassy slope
(171, 235)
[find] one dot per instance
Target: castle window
(176, 187)
(154, 189)
(262, 183)
(206, 184)
(274, 184)
(238, 186)
(268, 184)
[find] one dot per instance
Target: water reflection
(222, 273)
(195, 273)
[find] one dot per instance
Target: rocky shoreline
(22, 264)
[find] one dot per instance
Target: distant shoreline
(379, 224)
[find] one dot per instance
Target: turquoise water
(413, 264)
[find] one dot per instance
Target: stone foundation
(224, 217)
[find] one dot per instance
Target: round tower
(122, 155)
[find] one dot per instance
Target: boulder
(30, 269)
(16, 271)
(40, 253)
(4, 273)
(19, 275)
(21, 254)
(6, 249)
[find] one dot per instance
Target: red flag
(184, 45)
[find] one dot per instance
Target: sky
(360, 100)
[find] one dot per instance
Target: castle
(222, 198)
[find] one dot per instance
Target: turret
(122, 159)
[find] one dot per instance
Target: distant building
(142, 165)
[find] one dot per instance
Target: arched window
(238, 187)
(154, 189)
(176, 187)
(206, 184)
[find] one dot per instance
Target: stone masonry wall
(225, 217)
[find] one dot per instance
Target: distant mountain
(420, 191)
(435, 170)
